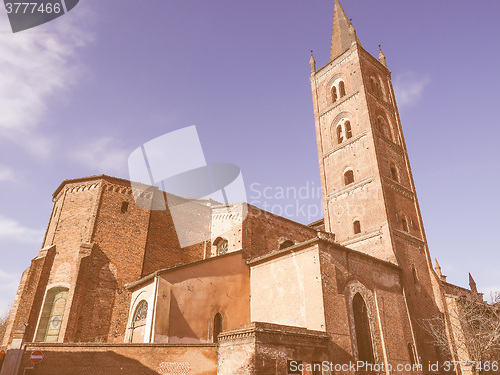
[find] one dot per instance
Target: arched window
(222, 245)
(348, 177)
(405, 224)
(381, 127)
(334, 94)
(414, 223)
(52, 315)
(394, 173)
(362, 327)
(341, 89)
(340, 136)
(141, 312)
(373, 85)
(286, 244)
(414, 274)
(356, 225)
(218, 327)
(348, 131)
(124, 207)
(138, 325)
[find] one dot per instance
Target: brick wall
(264, 231)
(131, 359)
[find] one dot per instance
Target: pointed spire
(381, 57)
(343, 33)
(472, 284)
(437, 267)
(312, 63)
(438, 270)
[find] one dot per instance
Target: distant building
(112, 291)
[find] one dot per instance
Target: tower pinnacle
(343, 33)
(472, 283)
(312, 63)
(381, 57)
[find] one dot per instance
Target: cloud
(103, 155)
(14, 231)
(408, 87)
(6, 174)
(38, 65)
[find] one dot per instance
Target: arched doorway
(218, 327)
(362, 328)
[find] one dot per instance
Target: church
(114, 290)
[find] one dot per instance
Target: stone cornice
(332, 64)
(407, 236)
(267, 333)
(374, 62)
(398, 188)
(338, 102)
(392, 145)
(349, 188)
(362, 237)
(383, 103)
(348, 142)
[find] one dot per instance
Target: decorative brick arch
(354, 287)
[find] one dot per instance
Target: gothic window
(218, 327)
(334, 94)
(286, 244)
(405, 224)
(356, 226)
(141, 312)
(52, 315)
(394, 173)
(414, 274)
(414, 223)
(362, 328)
(348, 177)
(381, 127)
(340, 136)
(341, 89)
(348, 131)
(222, 245)
(124, 207)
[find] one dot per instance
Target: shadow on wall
(86, 363)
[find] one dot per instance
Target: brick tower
(369, 197)
(97, 241)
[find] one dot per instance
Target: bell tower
(369, 198)
(368, 193)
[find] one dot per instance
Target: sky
(80, 93)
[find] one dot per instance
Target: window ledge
(344, 144)
(338, 102)
(350, 187)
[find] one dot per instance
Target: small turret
(312, 63)
(472, 284)
(381, 56)
(438, 271)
